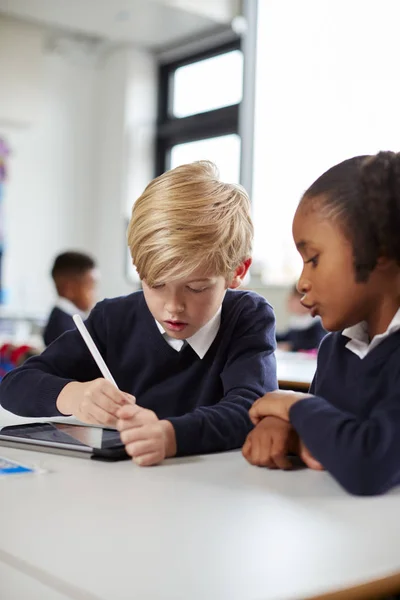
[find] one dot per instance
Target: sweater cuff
(300, 412)
(45, 404)
(187, 435)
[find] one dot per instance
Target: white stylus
(93, 349)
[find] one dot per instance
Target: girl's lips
(175, 325)
(314, 311)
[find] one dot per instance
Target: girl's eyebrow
(301, 245)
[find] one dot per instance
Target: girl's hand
(275, 404)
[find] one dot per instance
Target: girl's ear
(384, 263)
(240, 273)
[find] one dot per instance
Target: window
(327, 88)
(199, 110)
(224, 151)
(207, 84)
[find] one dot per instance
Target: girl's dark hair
(364, 194)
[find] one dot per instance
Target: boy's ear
(240, 273)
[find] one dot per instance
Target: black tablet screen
(65, 433)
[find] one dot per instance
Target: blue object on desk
(9, 467)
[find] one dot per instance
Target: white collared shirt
(359, 340)
(200, 341)
(69, 307)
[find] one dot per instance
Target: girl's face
(328, 279)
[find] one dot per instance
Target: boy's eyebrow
(200, 280)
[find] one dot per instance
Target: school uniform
(204, 387)
(351, 424)
(60, 320)
(304, 333)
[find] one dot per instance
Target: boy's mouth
(175, 325)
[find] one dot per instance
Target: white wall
(127, 95)
(72, 170)
(20, 52)
(49, 196)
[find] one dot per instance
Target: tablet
(65, 438)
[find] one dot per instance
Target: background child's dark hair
(72, 264)
(363, 193)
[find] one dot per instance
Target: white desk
(295, 370)
(192, 529)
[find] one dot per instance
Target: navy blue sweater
(207, 400)
(59, 322)
(352, 425)
(303, 339)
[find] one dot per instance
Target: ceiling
(147, 23)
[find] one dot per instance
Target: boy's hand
(268, 444)
(147, 438)
(275, 404)
(96, 402)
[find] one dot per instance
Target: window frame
(172, 131)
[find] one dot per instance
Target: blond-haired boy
(195, 354)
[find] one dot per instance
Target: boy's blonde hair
(188, 219)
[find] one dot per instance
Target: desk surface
(194, 528)
(295, 370)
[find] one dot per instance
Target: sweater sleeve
(249, 372)
(32, 389)
(361, 454)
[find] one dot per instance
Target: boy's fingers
(106, 388)
(107, 405)
(129, 398)
(128, 411)
(99, 416)
(136, 449)
(148, 460)
(135, 434)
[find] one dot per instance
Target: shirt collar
(69, 307)
(359, 340)
(200, 341)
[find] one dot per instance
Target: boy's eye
(196, 290)
(313, 260)
(157, 286)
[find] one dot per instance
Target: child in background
(346, 229)
(195, 353)
(75, 277)
(305, 332)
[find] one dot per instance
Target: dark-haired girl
(347, 230)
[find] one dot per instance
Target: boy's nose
(174, 305)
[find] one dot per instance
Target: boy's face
(328, 279)
(83, 290)
(183, 306)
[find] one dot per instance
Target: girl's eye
(313, 260)
(157, 286)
